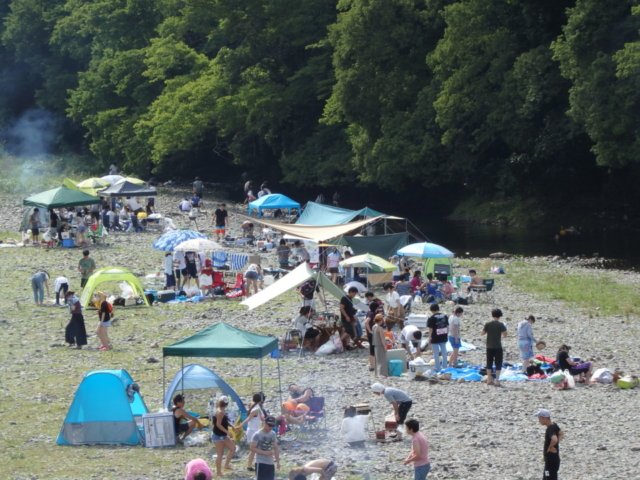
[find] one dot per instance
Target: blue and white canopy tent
(273, 202)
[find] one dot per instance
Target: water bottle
(212, 405)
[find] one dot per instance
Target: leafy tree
(603, 95)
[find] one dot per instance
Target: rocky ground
(475, 431)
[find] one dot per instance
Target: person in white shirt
(135, 206)
(113, 169)
(185, 205)
(353, 427)
(168, 271)
(60, 285)
(455, 327)
(180, 266)
(411, 335)
(303, 324)
(395, 313)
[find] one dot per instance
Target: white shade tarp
(301, 274)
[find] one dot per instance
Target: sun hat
(377, 388)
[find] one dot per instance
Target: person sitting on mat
(323, 466)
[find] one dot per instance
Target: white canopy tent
(301, 274)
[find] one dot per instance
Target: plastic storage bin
(395, 368)
(68, 243)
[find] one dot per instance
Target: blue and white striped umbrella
(425, 250)
(168, 241)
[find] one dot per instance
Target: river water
(474, 240)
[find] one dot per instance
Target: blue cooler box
(69, 243)
(395, 368)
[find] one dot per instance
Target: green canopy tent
(60, 197)
(221, 340)
(384, 246)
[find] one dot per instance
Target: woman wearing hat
(220, 436)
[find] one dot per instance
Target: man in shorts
(191, 260)
(495, 331)
(411, 335)
(221, 220)
(179, 414)
(264, 445)
(180, 264)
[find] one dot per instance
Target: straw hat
(541, 345)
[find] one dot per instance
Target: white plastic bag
(126, 289)
(192, 291)
(337, 343)
(326, 349)
(417, 299)
(571, 383)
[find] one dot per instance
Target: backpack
(110, 308)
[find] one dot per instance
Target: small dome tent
(106, 409)
(195, 377)
(111, 274)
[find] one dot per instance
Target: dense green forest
(492, 98)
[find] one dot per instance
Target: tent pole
(279, 381)
(182, 375)
(261, 387)
(163, 378)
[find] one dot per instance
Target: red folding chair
(239, 289)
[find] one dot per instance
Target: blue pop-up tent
(105, 410)
(273, 201)
(195, 377)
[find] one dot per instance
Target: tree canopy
(507, 97)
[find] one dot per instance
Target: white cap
(543, 412)
(377, 388)
(224, 399)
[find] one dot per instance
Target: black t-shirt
(562, 358)
(104, 313)
(220, 217)
(440, 325)
(190, 258)
(552, 430)
(54, 220)
(308, 290)
(348, 308)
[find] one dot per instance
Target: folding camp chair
(238, 289)
(316, 412)
(482, 293)
(96, 236)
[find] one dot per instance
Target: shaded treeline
(493, 98)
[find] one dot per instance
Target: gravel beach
(475, 431)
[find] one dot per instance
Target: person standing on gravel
(39, 281)
(197, 187)
(400, 401)
(526, 341)
(494, 330)
(552, 437)
(86, 266)
(221, 220)
(264, 445)
(75, 334)
(438, 326)
(419, 450)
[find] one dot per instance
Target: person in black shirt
(583, 370)
(183, 429)
(221, 217)
(348, 317)
(552, 437)
(438, 325)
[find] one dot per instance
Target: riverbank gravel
(475, 431)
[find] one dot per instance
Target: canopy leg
(261, 386)
(163, 379)
(279, 381)
(182, 375)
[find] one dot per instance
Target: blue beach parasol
(170, 240)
